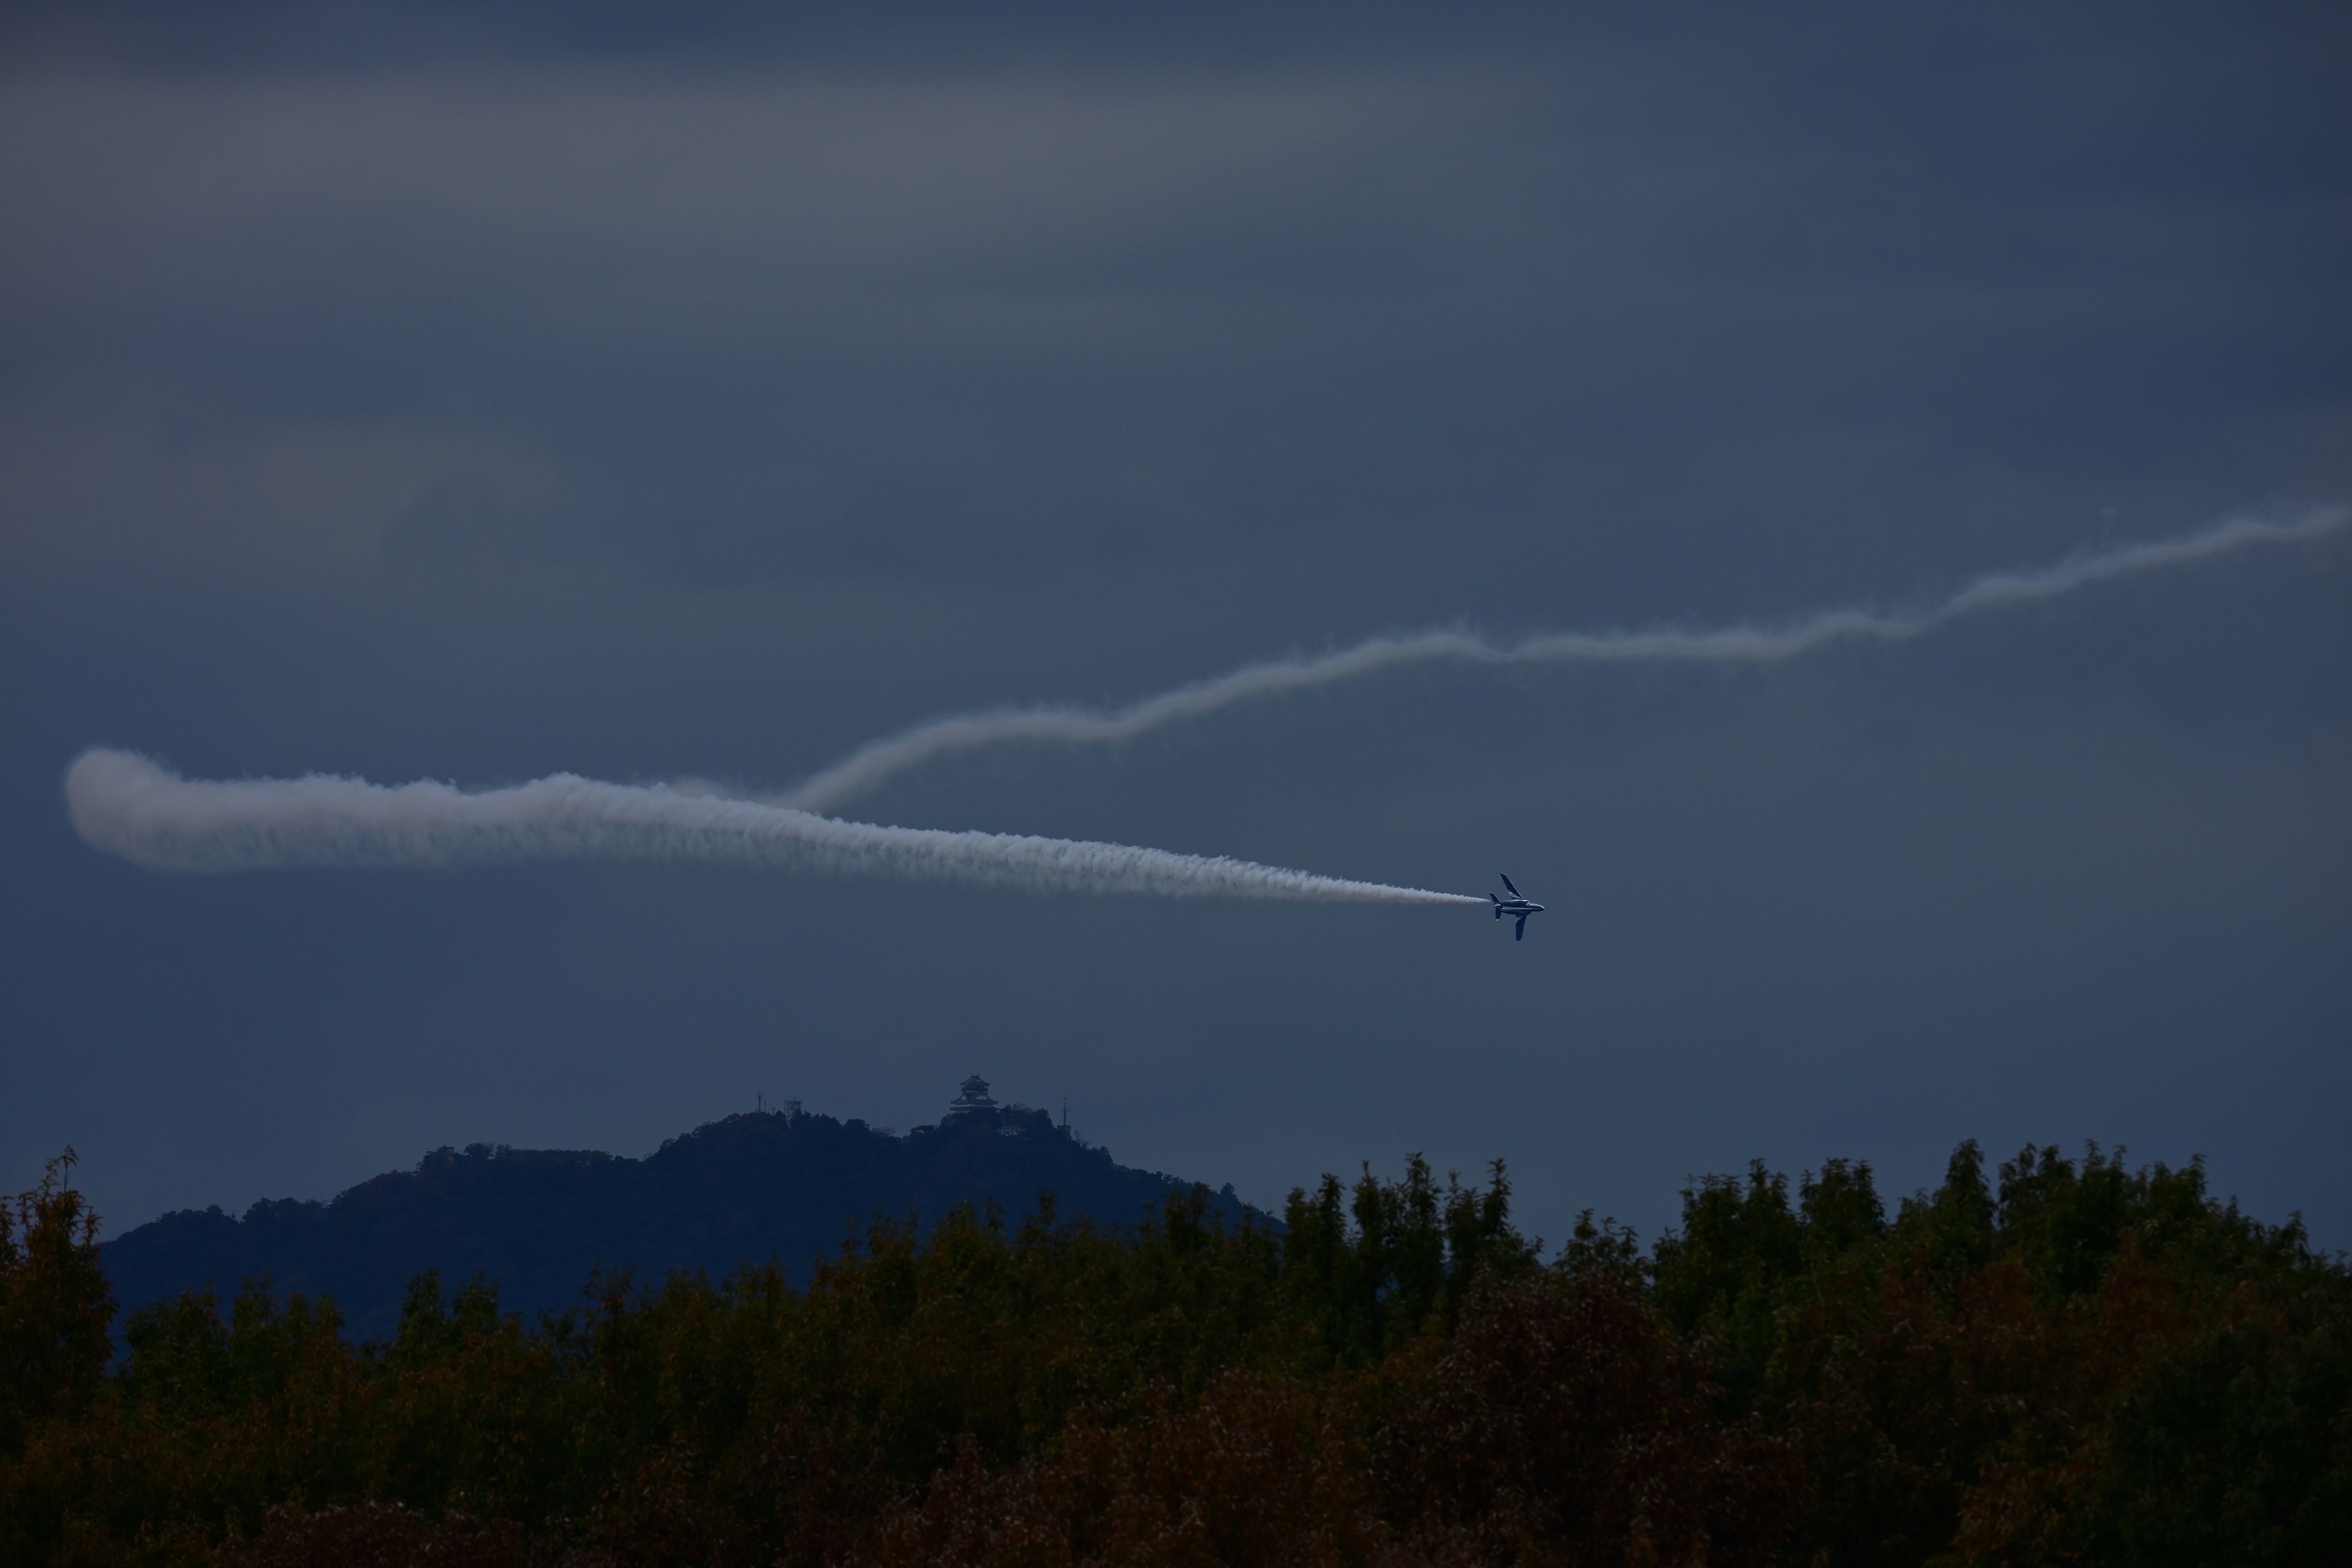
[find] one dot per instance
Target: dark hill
(785, 1185)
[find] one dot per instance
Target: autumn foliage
(2069, 1361)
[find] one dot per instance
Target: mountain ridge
(785, 1185)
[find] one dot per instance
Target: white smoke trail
(129, 807)
(878, 760)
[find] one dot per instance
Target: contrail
(128, 805)
(878, 760)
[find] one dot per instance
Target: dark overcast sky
(477, 392)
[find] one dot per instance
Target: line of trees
(2064, 1361)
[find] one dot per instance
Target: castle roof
(973, 1097)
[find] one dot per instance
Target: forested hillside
(785, 1185)
(2063, 1361)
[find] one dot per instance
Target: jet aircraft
(1516, 904)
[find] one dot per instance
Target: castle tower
(973, 1097)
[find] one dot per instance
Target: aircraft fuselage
(1516, 906)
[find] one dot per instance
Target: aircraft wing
(1515, 891)
(1521, 933)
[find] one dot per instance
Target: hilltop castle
(973, 1097)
